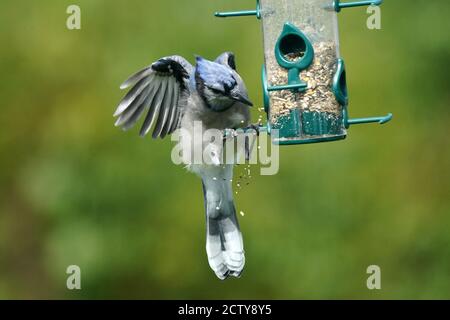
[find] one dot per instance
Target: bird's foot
(248, 145)
(255, 127)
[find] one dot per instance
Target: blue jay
(175, 95)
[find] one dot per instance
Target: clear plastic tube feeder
(304, 76)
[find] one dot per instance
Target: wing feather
(154, 108)
(145, 105)
(124, 116)
(132, 94)
(136, 77)
(134, 118)
(158, 88)
(176, 121)
(172, 113)
(165, 109)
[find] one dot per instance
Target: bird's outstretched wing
(160, 90)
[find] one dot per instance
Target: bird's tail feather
(224, 244)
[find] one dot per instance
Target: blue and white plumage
(174, 94)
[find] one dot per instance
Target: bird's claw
(256, 128)
(249, 148)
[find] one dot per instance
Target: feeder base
(308, 127)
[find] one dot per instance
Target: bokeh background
(76, 190)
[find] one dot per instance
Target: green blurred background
(76, 190)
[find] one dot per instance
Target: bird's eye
(215, 91)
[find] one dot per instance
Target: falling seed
(242, 213)
(214, 178)
(217, 208)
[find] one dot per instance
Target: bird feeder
(304, 76)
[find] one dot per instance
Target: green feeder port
(304, 77)
(291, 43)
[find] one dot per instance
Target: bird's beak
(243, 100)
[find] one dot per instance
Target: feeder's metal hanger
(297, 84)
(244, 13)
(337, 6)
